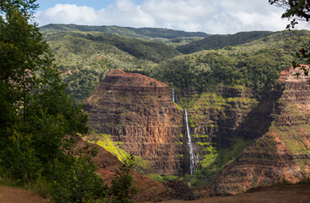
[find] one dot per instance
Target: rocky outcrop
(282, 153)
(138, 114)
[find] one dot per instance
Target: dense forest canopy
(220, 41)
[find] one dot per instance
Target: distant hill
(81, 43)
(134, 32)
(220, 41)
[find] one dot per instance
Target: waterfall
(189, 143)
(174, 96)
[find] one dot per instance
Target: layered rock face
(140, 117)
(282, 153)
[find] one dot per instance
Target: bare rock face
(282, 153)
(139, 115)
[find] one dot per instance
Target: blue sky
(210, 16)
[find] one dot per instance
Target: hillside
(134, 32)
(85, 58)
(220, 41)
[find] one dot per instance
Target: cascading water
(174, 96)
(189, 143)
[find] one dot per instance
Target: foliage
(122, 189)
(86, 57)
(162, 177)
(207, 69)
(215, 42)
(215, 161)
(296, 10)
(105, 141)
(76, 182)
(38, 123)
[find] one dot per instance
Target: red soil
(298, 193)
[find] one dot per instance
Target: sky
(209, 16)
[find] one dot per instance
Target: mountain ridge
(134, 32)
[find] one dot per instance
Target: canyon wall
(137, 114)
(282, 153)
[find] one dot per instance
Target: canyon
(238, 139)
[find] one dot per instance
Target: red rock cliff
(138, 113)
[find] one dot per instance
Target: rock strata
(282, 153)
(138, 113)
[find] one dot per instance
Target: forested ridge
(135, 32)
(250, 59)
(221, 41)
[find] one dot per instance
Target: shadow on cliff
(258, 121)
(254, 125)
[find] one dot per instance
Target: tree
(35, 107)
(38, 123)
(296, 10)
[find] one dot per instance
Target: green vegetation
(85, 58)
(220, 41)
(216, 159)
(162, 177)
(39, 124)
(134, 32)
(85, 54)
(206, 70)
(104, 140)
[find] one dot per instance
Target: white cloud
(214, 17)
(122, 13)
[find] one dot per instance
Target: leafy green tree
(38, 123)
(122, 189)
(296, 10)
(32, 93)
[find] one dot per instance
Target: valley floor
(298, 193)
